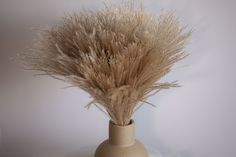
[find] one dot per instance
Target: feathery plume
(117, 54)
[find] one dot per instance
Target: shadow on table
(86, 152)
(82, 155)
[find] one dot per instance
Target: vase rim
(131, 123)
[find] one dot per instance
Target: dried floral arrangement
(117, 54)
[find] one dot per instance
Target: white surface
(89, 152)
(80, 152)
(196, 120)
(153, 153)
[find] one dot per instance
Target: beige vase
(121, 143)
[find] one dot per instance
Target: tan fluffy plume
(117, 54)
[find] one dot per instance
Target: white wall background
(197, 120)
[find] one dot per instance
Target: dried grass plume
(117, 54)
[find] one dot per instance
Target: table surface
(89, 152)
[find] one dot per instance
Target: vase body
(121, 143)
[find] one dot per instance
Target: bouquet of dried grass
(116, 54)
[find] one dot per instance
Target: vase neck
(121, 135)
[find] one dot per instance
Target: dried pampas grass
(117, 55)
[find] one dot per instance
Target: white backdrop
(196, 120)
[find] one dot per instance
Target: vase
(121, 143)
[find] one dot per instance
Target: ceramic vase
(121, 143)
